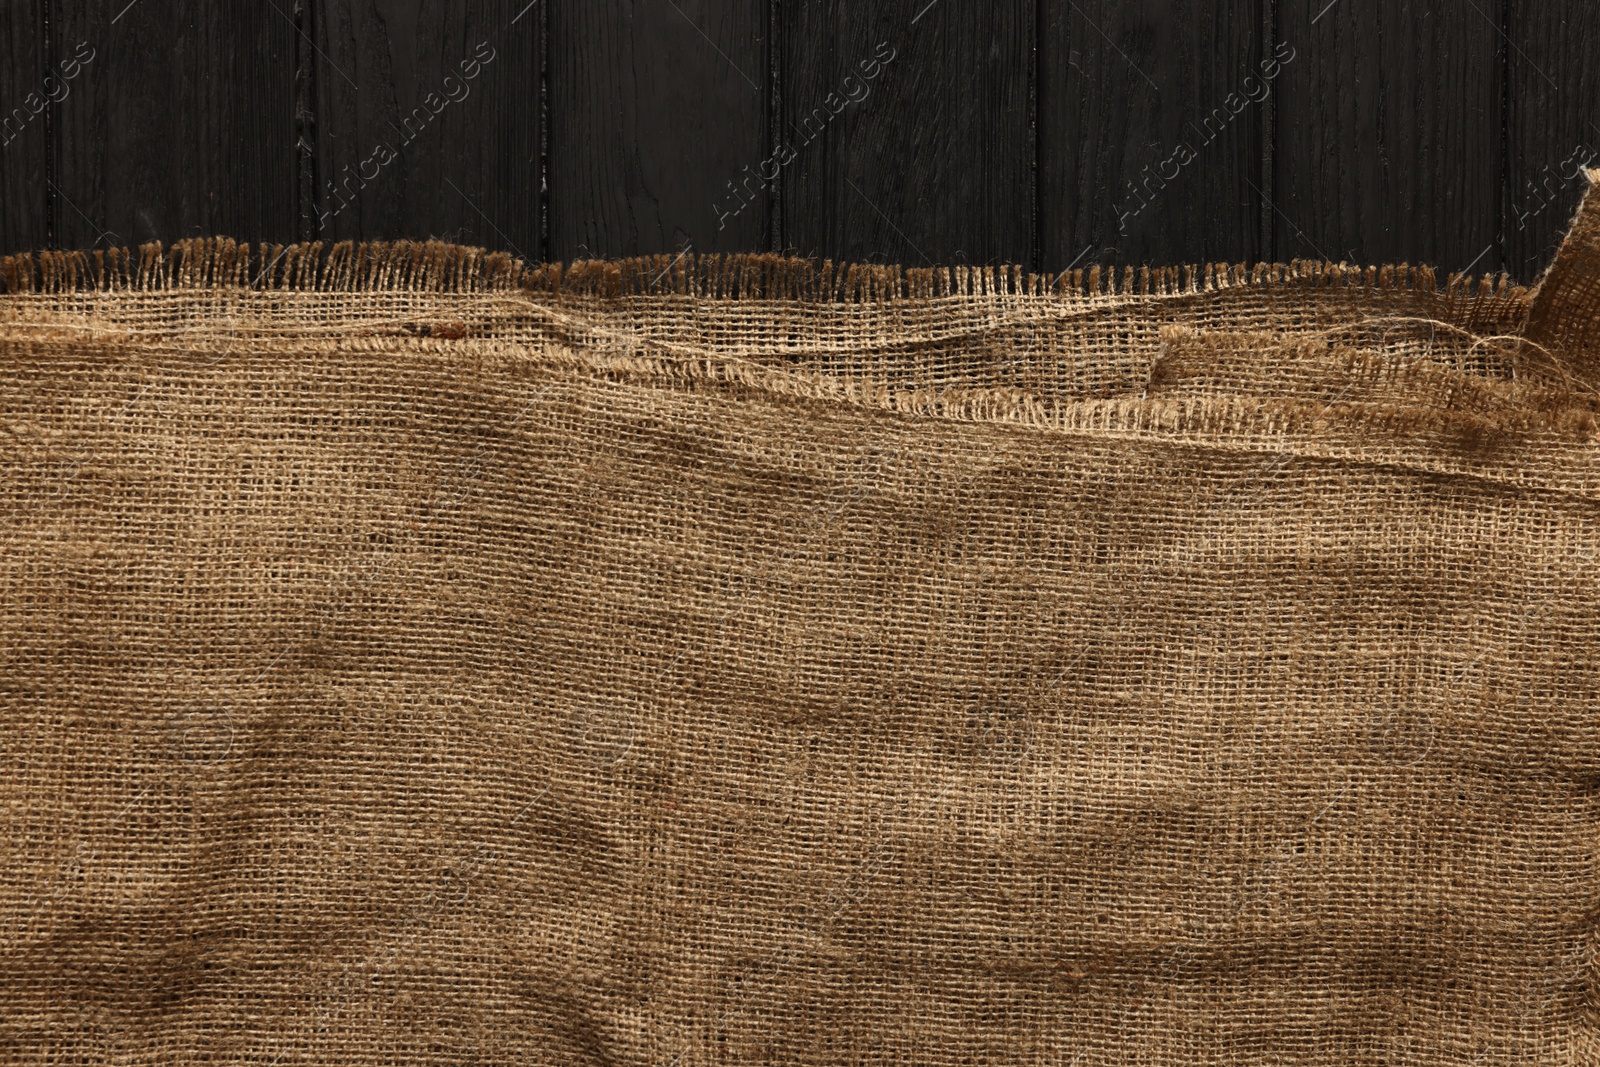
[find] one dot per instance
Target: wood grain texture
(1552, 125)
(929, 161)
(656, 106)
(1048, 132)
(26, 105)
(1150, 131)
(427, 120)
(182, 125)
(1388, 141)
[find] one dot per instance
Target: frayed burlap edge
(436, 266)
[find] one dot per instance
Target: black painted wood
(428, 122)
(27, 104)
(1552, 125)
(1047, 132)
(911, 130)
(1151, 131)
(1388, 144)
(181, 125)
(657, 107)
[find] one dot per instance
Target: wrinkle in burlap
(412, 656)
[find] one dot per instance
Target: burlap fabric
(411, 656)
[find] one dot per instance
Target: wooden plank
(27, 100)
(656, 107)
(911, 128)
(427, 122)
(1552, 125)
(183, 124)
(1151, 132)
(1389, 132)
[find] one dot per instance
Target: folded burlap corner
(413, 656)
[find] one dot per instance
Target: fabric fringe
(435, 266)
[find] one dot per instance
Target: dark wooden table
(1048, 133)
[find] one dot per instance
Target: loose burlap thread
(415, 656)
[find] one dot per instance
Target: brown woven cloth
(414, 657)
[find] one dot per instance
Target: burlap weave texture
(411, 656)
